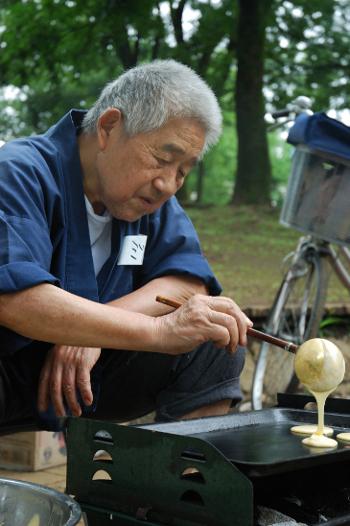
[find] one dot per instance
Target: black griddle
(218, 470)
(260, 443)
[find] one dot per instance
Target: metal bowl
(27, 504)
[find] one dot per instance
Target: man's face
(136, 175)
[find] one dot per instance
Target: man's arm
(47, 313)
(67, 369)
(143, 300)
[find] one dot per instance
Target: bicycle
(316, 196)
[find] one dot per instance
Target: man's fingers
(44, 387)
(67, 370)
(84, 385)
(83, 377)
(226, 328)
(56, 390)
(234, 335)
(223, 304)
(70, 390)
(203, 318)
(228, 306)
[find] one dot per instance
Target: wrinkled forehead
(181, 137)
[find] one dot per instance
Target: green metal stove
(212, 471)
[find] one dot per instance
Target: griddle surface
(260, 442)
(263, 447)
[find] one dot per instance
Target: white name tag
(133, 250)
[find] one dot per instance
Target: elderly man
(90, 233)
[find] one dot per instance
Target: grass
(245, 247)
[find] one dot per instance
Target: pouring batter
(310, 429)
(320, 366)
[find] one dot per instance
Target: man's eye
(162, 161)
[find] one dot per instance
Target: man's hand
(200, 319)
(65, 372)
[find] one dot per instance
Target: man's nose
(167, 183)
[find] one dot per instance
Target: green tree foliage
(63, 51)
(60, 53)
(308, 52)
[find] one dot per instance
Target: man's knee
(205, 383)
(219, 408)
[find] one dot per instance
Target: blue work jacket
(44, 236)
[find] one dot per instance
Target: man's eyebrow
(173, 148)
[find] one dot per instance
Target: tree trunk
(253, 176)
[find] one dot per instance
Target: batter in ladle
(320, 366)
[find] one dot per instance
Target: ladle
(319, 364)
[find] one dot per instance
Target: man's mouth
(147, 202)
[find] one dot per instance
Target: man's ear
(109, 119)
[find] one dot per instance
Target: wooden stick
(283, 344)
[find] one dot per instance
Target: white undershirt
(100, 230)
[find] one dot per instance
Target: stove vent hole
(194, 455)
(192, 474)
(192, 497)
(102, 475)
(103, 456)
(103, 437)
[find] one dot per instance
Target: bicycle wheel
(295, 316)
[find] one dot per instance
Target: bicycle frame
(299, 303)
(305, 245)
(308, 243)
(338, 266)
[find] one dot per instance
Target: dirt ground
(245, 247)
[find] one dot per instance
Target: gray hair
(151, 94)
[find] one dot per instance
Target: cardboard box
(31, 451)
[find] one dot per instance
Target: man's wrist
(155, 335)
